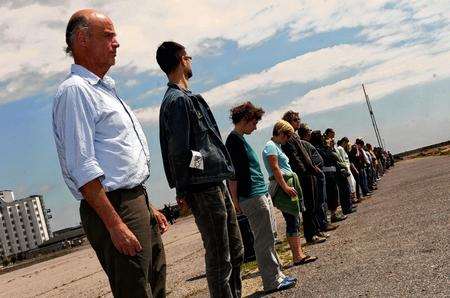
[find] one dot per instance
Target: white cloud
(131, 83)
(409, 68)
(313, 66)
(399, 52)
(32, 36)
(148, 115)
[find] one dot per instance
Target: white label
(196, 160)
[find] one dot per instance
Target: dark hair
(316, 138)
(168, 55)
(342, 141)
(328, 131)
(359, 142)
(289, 116)
(303, 130)
(75, 23)
(246, 111)
(353, 151)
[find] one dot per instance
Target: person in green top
(250, 196)
(285, 188)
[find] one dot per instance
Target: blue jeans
(224, 252)
(364, 183)
(344, 193)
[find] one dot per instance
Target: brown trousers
(143, 275)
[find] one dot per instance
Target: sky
(308, 56)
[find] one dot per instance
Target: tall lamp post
(374, 122)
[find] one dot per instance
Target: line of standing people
(105, 162)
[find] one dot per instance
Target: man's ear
(81, 37)
(183, 62)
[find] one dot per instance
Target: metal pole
(372, 117)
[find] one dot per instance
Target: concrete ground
(396, 245)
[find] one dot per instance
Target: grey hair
(75, 24)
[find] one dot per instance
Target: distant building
(23, 223)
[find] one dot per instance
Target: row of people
(105, 163)
(304, 177)
(308, 174)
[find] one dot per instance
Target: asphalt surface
(396, 245)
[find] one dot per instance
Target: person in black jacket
(250, 196)
(329, 168)
(196, 163)
(302, 165)
(321, 211)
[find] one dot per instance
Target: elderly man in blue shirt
(104, 159)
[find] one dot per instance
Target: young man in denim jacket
(196, 163)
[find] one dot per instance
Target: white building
(23, 223)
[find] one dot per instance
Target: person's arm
(353, 168)
(294, 157)
(239, 158)
(232, 186)
(273, 163)
(178, 125)
(163, 225)
(74, 125)
(123, 239)
(339, 159)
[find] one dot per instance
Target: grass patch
(283, 251)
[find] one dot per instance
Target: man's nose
(115, 43)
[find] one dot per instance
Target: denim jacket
(187, 124)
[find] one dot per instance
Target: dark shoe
(316, 239)
(353, 210)
(337, 217)
(330, 227)
(305, 260)
(287, 283)
(323, 235)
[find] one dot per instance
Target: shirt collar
(172, 85)
(91, 77)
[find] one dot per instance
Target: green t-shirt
(258, 186)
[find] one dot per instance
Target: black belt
(138, 188)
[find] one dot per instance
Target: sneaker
(316, 239)
(338, 217)
(287, 283)
(330, 227)
(290, 278)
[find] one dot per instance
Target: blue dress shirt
(97, 135)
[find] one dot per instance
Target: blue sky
(310, 56)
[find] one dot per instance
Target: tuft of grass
(283, 251)
(249, 268)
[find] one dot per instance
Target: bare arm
(123, 239)
(232, 186)
(273, 163)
